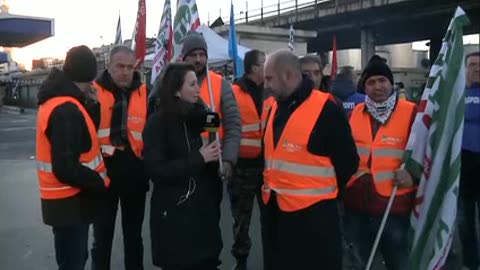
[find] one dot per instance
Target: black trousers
(71, 243)
(132, 206)
(302, 240)
(469, 209)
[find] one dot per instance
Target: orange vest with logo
(299, 178)
(50, 187)
(385, 151)
(252, 124)
(136, 119)
(216, 81)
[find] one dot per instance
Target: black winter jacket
(69, 138)
(184, 234)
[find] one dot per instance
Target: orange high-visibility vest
(136, 119)
(50, 186)
(299, 178)
(267, 105)
(216, 81)
(386, 149)
(252, 123)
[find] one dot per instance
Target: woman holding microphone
(185, 210)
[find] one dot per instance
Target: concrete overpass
(366, 23)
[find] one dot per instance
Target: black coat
(187, 234)
(69, 137)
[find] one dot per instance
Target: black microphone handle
(211, 137)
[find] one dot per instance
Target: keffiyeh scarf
(381, 111)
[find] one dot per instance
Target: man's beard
(200, 69)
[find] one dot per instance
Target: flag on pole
(233, 47)
(186, 19)
(333, 71)
(433, 152)
(139, 39)
(118, 36)
(291, 38)
(163, 44)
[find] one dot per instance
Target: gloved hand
(227, 170)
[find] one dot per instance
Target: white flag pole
(382, 226)
(212, 107)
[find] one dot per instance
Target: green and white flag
(433, 152)
(186, 19)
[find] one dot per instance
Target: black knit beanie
(375, 67)
(80, 64)
(193, 41)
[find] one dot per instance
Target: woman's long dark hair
(171, 82)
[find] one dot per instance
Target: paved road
(26, 243)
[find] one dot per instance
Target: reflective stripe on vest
(394, 153)
(251, 142)
(363, 151)
(136, 135)
(299, 178)
(306, 192)
(381, 155)
(300, 169)
(251, 127)
(103, 133)
(136, 119)
(47, 167)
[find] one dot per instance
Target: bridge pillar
(367, 45)
(435, 46)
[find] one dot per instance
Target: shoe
(241, 265)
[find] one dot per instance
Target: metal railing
(290, 7)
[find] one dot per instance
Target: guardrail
(273, 10)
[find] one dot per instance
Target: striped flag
(139, 39)
(186, 19)
(433, 152)
(163, 44)
(291, 38)
(118, 36)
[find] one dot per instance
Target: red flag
(334, 59)
(140, 33)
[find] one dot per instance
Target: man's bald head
(284, 60)
(283, 74)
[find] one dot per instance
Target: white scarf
(381, 111)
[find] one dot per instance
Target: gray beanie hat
(193, 41)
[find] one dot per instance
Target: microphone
(212, 124)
